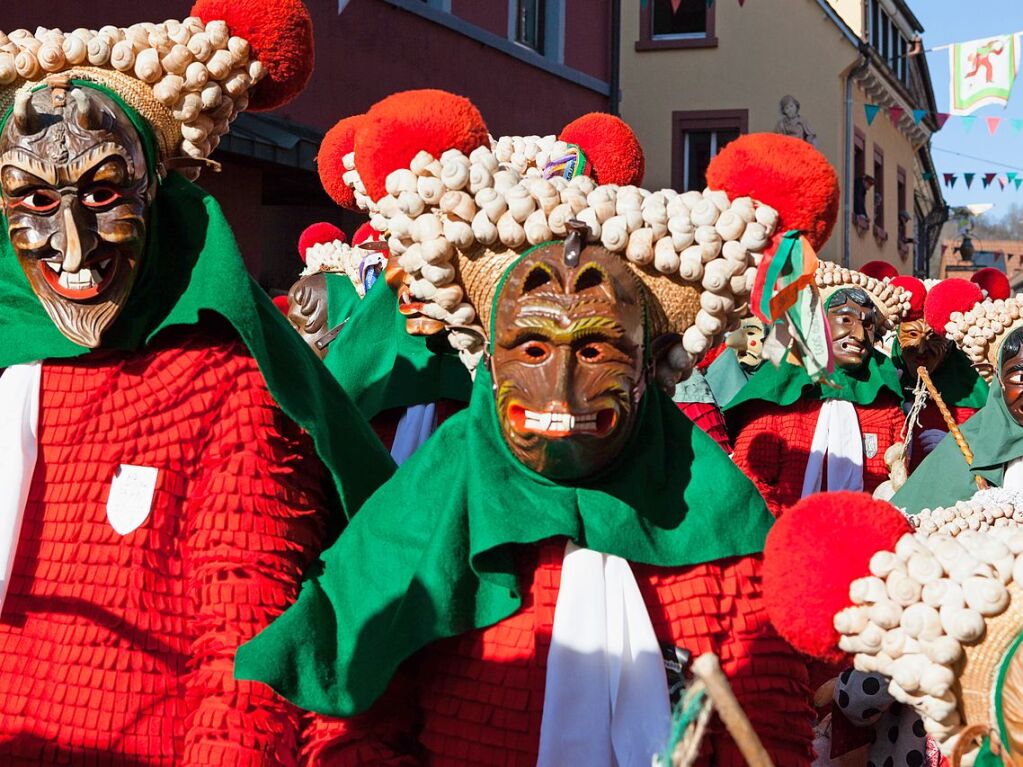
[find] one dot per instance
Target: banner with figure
(983, 72)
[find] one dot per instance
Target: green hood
(788, 383)
(432, 554)
(191, 268)
(957, 381)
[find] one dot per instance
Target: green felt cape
(944, 477)
(727, 377)
(786, 384)
(377, 363)
(957, 381)
(191, 266)
(431, 554)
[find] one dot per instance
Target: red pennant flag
(895, 113)
(950, 180)
(674, 5)
(941, 118)
(992, 124)
(988, 178)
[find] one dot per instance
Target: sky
(948, 21)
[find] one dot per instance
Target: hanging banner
(983, 72)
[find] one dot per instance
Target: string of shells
(980, 331)
(339, 257)
(893, 301)
(926, 605)
(199, 72)
(498, 197)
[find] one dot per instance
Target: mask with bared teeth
(76, 193)
(568, 359)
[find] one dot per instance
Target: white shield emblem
(870, 445)
(131, 497)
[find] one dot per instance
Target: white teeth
(82, 280)
(55, 266)
(560, 422)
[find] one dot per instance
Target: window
(889, 42)
(861, 185)
(696, 138)
(904, 215)
(676, 24)
(529, 24)
(878, 188)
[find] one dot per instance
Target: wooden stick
(953, 427)
(707, 669)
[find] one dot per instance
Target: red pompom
(396, 129)
(813, 552)
(338, 141)
(785, 173)
(317, 234)
(365, 233)
(281, 302)
(917, 295)
(879, 270)
(611, 148)
(280, 34)
(948, 296)
(993, 282)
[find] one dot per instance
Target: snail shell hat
(458, 208)
(934, 603)
(892, 301)
(188, 79)
(977, 325)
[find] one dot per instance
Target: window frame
(879, 217)
(901, 202)
(649, 42)
(683, 121)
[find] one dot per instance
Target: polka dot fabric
(772, 444)
(477, 699)
(119, 650)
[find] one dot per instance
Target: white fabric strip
(606, 698)
(837, 437)
(19, 446)
(415, 427)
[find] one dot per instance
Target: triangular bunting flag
(950, 180)
(992, 124)
(871, 111)
(896, 114)
(942, 118)
(1001, 182)
(1017, 182)
(918, 115)
(968, 177)
(1017, 125)
(1011, 176)
(988, 178)
(968, 122)
(928, 176)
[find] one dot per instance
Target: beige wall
(851, 12)
(898, 152)
(755, 64)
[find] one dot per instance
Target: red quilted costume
(118, 649)
(477, 699)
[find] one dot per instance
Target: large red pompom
(994, 282)
(917, 295)
(879, 270)
(813, 552)
(280, 34)
(610, 146)
(365, 233)
(785, 173)
(317, 234)
(396, 129)
(338, 141)
(948, 296)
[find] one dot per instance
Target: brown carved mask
(76, 191)
(568, 359)
(853, 322)
(1011, 375)
(921, 346)
(307, 311)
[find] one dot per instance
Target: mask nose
(75, 242)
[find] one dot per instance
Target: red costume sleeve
(253, 522)
(759, 449)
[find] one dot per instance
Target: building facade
(696, 76)
(530, 65)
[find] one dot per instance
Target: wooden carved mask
(568, 358)
(921, 346)
(76, 191)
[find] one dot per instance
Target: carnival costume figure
(166, 477)
(572, 533)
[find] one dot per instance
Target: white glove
(929, 438)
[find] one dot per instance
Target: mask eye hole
(100, 197)
(590, 353)
(534, 351)
(40, 201)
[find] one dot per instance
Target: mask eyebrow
(94, 156)
(27, 162)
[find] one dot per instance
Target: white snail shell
(767, 217)
(492, 202)
(924, 567)
(886, 614)
(411, 203)
(169, 90)
(504, 180)
(558, 219)
(426, 227)
(716, 275)
(921, 621)
(730, 226)
(965, 625)
(463, 314)
(438, 274)
(683, 233)
(483, 156)
(239, 48)
(985, 595)
(640, 249)
(614, 234)
(520, 203)
(755, 237)
(718, 198)
(122, 56)
(715, 303)
(187, 108)
(484, 229)
(902, 589)
(437, 251)
(666, 260)
(458, 233)
(8, 72)
(510, 231)
(220, 64)
(480, 177)
(743, 208)
(455, 174)
(459, 204)
(882, 563)
(694, 341)
(704, 213)
(691, 264)
(432, 190)
(76, 49)
(536, 228)
(420, 164)
(449, 296)
(237, 84)
(27, 65)
(709, 324)
(211, 96)
(589, 217)
(945, 650)
(147, 66)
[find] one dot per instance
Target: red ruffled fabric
(118, 650)
(708, 417)
(477, 699)
(772, 444)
